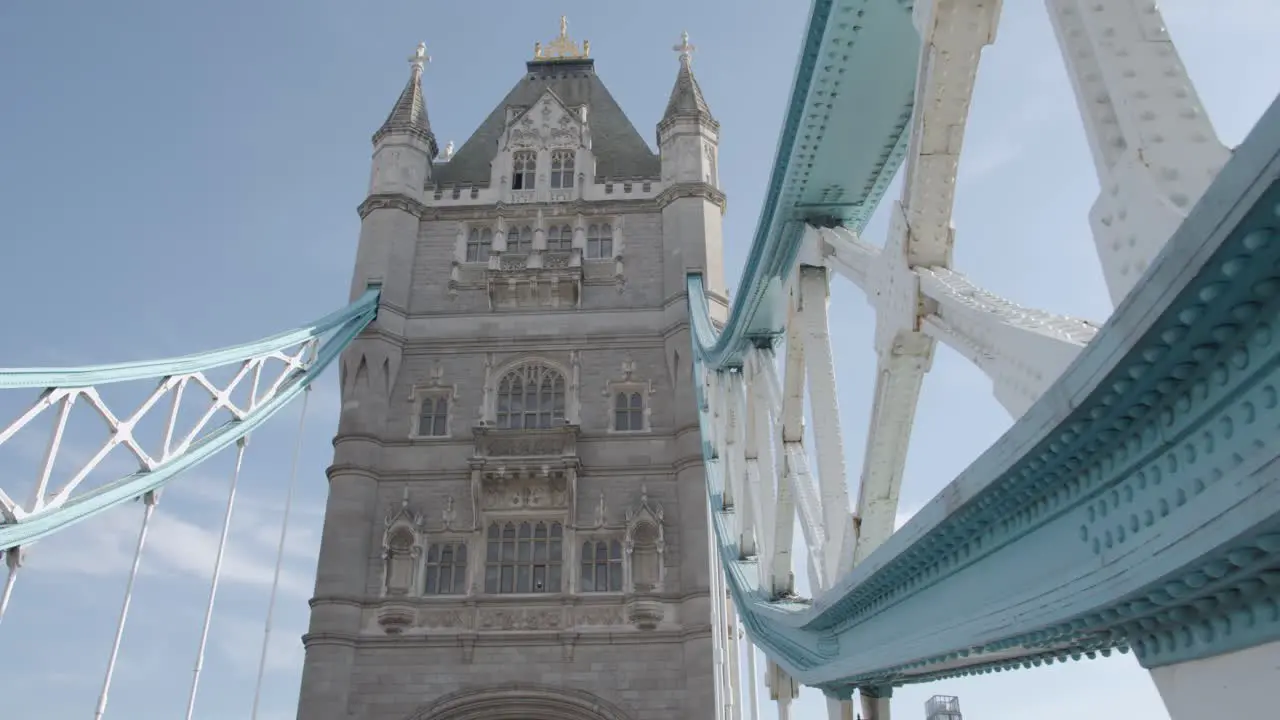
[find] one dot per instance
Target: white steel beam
(1154, 147)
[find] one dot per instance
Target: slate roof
(620, 151)
(686, 97)
(410, 113)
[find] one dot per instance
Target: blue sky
(180, 176)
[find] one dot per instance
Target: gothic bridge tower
(516, 524)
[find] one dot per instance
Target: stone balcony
(540, 279)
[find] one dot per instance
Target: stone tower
(516, 524)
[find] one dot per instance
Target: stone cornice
(586, 208)
(693, 190)
(397, 202)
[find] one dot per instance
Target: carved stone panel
(524, 489)
(558, 442)
(599, 615)
(445, 618)
(521, 619)
(517, 283)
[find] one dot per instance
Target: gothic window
(561, 169)
(524, 166)
(560, 238)
(447, 569)
(531, 396)
(711, 164)
(433, 416)
(599, 241)
(628, 411)
(523, 557)
(479, 244)
(601, 566)
(520, 240)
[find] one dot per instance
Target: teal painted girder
(334, 331)
(1136, 505)
(842, 139)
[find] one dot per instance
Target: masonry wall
(410, 650)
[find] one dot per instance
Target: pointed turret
(686, 97)
(410, 111)
(689, 141)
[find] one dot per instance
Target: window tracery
(479, 245)
(530, 396)
(520, 240)
(561, 169)
(560, 238)
(628, 411)
(433, 416)
(432, 402)
(523, 557)
(446, 568)
(629, 396)
(524, 168)
(602, 569)
(599, 241)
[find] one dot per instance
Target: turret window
(560, 238)
(524, 557)
(524, 167)
(599, 241)
(561, 169)
(433, 419)
(479, 244)
(628, 412)
(529, 397)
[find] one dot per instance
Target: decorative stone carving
(402, 545)
(395, 618)
(558, 442)
(524, 488)
(547, 124)
(644, 612)
(521, 619)
(445, 619)
(645, 546)
(448, 515)
(513, 281)
(599, 615)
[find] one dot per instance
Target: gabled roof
(620, 151)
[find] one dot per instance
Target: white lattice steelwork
(1155, 152)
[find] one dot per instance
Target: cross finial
(684, 48)
(419, 58)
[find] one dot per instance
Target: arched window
(479, 244)
(520, 240)
(433, 419)
(602, 566)
(524, 557)
(559, 238)
(628, 411)
(447, 569)
(531, 396)
(599, 241)
(524, 166)
(561, 169)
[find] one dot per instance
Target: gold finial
(684, 48)
(562, 46)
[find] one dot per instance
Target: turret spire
(686, 97)
(410, 111)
